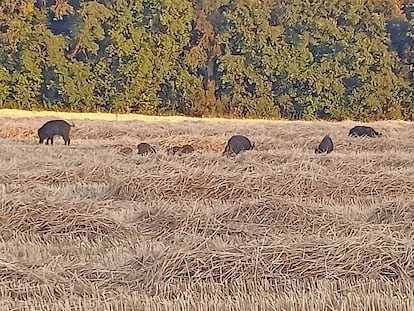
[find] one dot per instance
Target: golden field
(277, 228)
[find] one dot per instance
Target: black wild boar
(186, 149)
(53, 128)
(326, 145)
(144, 148)
(237, 144)
(363, 131)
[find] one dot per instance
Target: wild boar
(144, 148)
(237, 144)
(53, 128)
(186, 149)
(326, 145)
(363, 131)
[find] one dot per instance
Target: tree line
(298, 59)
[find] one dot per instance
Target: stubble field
(278, 228)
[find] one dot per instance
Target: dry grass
(278, 228)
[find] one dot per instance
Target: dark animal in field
(144, 148)
(237, 144)
(125, 150)
(363, 131)
(181, 149)
(186, 149)
(53, 128)
(326, 145)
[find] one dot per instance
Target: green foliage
(306, 59)
(89, 29)
(342, 67)
(246, 65)
(5, 79)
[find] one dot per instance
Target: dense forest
(299, 59)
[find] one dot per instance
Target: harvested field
(86, 227)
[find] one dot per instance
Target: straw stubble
(276, 228)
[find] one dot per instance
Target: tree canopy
(301, 59)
